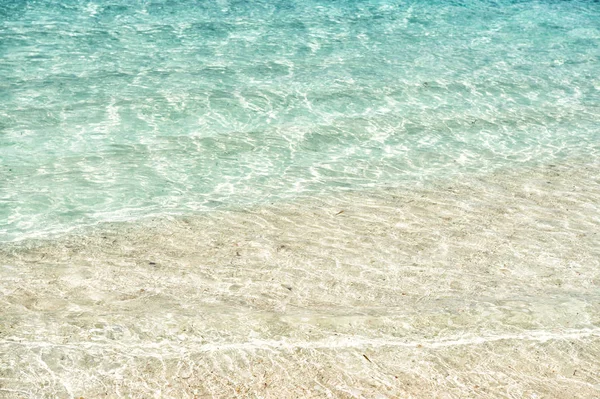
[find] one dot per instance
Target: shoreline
(429, 184)
(483, 287)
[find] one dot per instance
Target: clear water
(113, 110)
(481, 288)
(374, 199)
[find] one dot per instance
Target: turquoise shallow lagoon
(117, 110)
(299, 199)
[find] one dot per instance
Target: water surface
(349, 199)
(115, 110)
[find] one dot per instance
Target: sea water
(279, 199)
(116, 110)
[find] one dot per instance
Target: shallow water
(287, 199)
(114, 110)
(486, 287)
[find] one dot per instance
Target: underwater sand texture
(486, 287)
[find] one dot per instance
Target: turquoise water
(117, 110)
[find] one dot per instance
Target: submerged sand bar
(486, 287)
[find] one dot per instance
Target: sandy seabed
(487, 287)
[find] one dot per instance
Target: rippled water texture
(114, 110)
(279, 199)
(484, 288)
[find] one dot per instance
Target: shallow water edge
(485, 287)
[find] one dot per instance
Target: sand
(484, 287)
